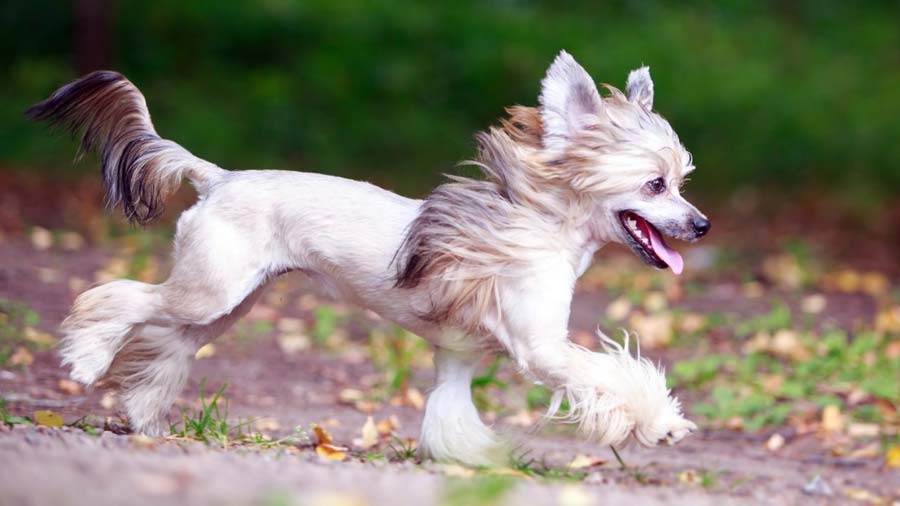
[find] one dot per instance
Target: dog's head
(623, 157)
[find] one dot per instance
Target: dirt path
(43, 465)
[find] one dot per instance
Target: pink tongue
(667, 254)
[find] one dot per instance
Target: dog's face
(622, 155)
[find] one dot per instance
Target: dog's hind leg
(152, 369)
(451, 428)
(142, 337)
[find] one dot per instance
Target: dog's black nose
(701, 226)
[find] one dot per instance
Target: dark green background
(781, 95)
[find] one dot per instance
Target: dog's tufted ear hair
(639, 88)
(569, 102)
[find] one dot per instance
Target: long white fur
(250, 226)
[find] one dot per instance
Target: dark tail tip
(66, 100)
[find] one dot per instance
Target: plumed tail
(139, 168)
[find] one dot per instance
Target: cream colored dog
(478, 267)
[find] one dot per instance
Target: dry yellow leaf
(654, 330)
(414, 398)
(369, 435)
(892, 457)
(655, 302)
(70, 387)
(582, 461)
(814, 304)
(205, 351)
(21, 357)
(47, 418)
(322, 435)
(689, 477)
(775, 443)
(389, 425)
(863, 495)
(618, 309)
(331, 452)
(875, 283)
(832, 419)
(41, 238)
(108, 401)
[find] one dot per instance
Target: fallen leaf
(582, 461)
(775, 442)
(108, 401)
(40, 338)
(389, 425)
(21, 357)
(322, 435)
(205, 351)
(863, 495)
(654, 330)
(69, 387)
(874, 283)
(291, 344)
(870, 451)
(414, 398)
(331, 452)
(618, 309)
(47, 418)
(655, 302)
(752, 290)
(832, 419)
(892, 457)
(71, 241)
(692, 322)
(41, 238)
(786, 343)
(689, 477)
(814, 304)
(47, 275)
(369, 435)
(863, 430)
(142, 441)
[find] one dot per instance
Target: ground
(787, 357)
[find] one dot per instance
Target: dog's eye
(658, 185)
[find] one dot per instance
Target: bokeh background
(782, 337)
(770, 96)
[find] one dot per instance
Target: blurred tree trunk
(92, 34)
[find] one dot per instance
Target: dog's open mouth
(649, 244)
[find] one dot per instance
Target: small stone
(818, 486)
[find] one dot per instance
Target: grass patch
(483, 490)
(765, 386)
(8, 418)
(210, 424)
(15, 320)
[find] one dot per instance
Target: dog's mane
(471, 232)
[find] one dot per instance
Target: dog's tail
(139, 168)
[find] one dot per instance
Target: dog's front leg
(451, 428)
(597, 385)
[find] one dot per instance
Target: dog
(479, 267)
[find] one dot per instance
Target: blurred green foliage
(787, 94)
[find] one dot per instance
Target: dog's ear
(569, 102)
(639, 88)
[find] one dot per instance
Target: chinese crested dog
(480, 266)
